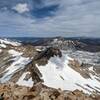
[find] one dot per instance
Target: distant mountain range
(79, 43)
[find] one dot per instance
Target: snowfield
(58, 74)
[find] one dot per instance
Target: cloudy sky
(43, 18)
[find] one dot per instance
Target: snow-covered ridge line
(7, 41)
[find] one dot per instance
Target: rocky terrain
(36, 70)
(11, 91)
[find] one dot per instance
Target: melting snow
(38, 50)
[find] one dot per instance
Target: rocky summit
(60, 69)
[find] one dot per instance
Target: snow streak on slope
(58, 74)
(19, 63)
(11, 61)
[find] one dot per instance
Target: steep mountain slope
(12, 60)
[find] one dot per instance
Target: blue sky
(44, 18)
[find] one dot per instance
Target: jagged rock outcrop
(48, 53)
(41, 58)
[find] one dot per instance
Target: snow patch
(38, 50)
(91, 69)
(23, 82)
(3, 45)
(14, 53)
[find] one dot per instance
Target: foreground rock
(11, 91)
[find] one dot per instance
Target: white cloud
(74, 18)
(21, 8)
